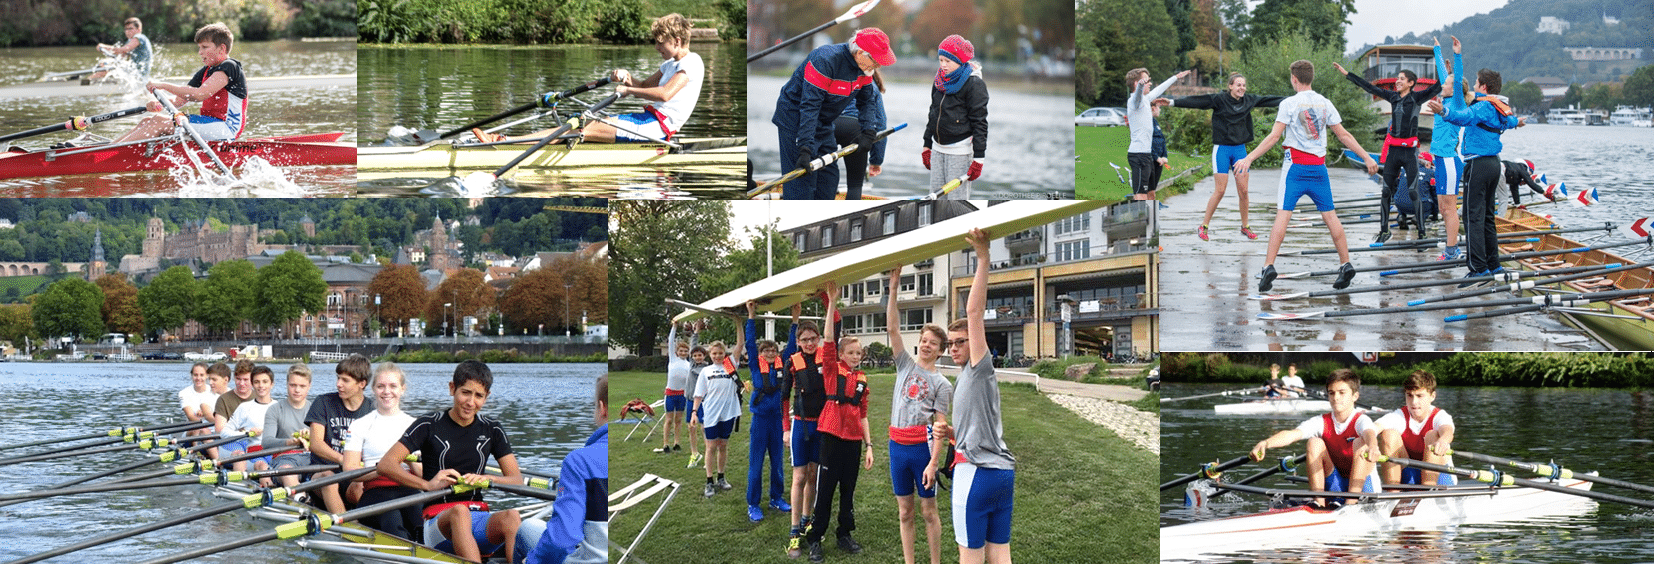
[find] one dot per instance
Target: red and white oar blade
(1640, 227)
(1277, 297)
(1289, 316)
(858, 10)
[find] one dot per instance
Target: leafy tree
(120, 311)
(538, 297)
(1524, 95)
(1116, 36)
(169, 299)
(1639, 87)
(1321, 21)
(1601, 96)
(17, 324)
(467, 292)
(1574, 95)
(227, 296)
(70, 307)
(286, 289)
(658, 251)
(401, 293)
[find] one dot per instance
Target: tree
(401, 293)
(1573, 96)
(286, 289)
(942, 18)
(1639, 87)
(17, 324)
(1116, 36)
(537, 298)
(169, 299)
(468, 294)
(227, 296)
(120, 311)
(658, 249)
(1601, 96)
(1524, 95)
(70, 307)
(1320, 21)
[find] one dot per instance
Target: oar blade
(1267, 316)
(1277, 297)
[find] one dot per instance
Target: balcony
(1025, 241)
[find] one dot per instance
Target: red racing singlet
(1415, 441)
(1340, 446)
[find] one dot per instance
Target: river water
(1030, 141)
(1604, 430)
(442, 87)
(547, 410)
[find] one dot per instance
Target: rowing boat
(166, 152)
(1629, 321)
(1304, 525)
(1273, 405)
(454, 158)
(351, 539)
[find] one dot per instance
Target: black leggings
(408, 522)
(1401, 166)
(840, 465)
(847, 130)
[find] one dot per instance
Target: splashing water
(257, 179)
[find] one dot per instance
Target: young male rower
(1418, 431)
(1336, 441)
(454, 446)
(922, 398)
(369, 439)
(579, 530)
(1301, 126)
(136, 46)
(330, 417)
(197, 399)
(672, 92)
(1401, 141)
(219, 85)
(1140, 120)
(283, 421)
(1231, 131)
(249, 416)
(229, 401)
(770, 386)
(801, 435)
(1485, 115)
(832, 77)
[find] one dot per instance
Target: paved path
(1097, 404)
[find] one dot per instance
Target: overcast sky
(1375, 19)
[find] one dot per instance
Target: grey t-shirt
(920, 394)
(977, 423)
(281, 421)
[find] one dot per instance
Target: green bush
(624, 22)
(734, 24)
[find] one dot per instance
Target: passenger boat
(167, 152)
(1631, 117)
(1630, 321)
(456, 158)
(1565, 116)
(1273, 405)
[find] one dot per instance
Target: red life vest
(1415, 441)
(1340, 446)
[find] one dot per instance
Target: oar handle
(821, 162)
(76, 123)
(183, 123)
(1207, 470)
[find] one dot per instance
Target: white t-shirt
(188, 398)
(1398, 418)
(678, 108)
(374, 434)
(249, 415)
(1312, 427)
(1307, 116)
(1294, 382)
(716, 389)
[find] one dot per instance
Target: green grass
(1082, 493)
(25, 284)
(1098, 146)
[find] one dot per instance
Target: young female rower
(922, 397)
(692, 413)
(197, 399)
(801, 434)
(958, 124)
(1231, 131)
(370, 438)
(844, 435)
(716, 400)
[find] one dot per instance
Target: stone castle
(194, 241)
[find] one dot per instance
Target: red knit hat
(877, 44)
(957, 48)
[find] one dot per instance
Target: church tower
(97, 266)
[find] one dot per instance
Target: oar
(1214, 394)
(76, 123)
(182, 121)
(1507, 276)
(145, 444)
(1528, 284)
(856, 11)
(945, 188)
(482, 181)
(210, 479)
(116, 435)
(1286, 464)
(251, 501)
(819, 163)
(1501, 479)
(546, 100)
(1545, 301)
(314, 524)
(526, 491)
(1412, 245)
(1211, 469)
(1551, 471)
(1425, 266)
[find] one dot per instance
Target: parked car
(162, 355)
(1101, 117)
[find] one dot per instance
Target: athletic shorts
(212, 129)
(1336, 482)
(291, 460)
(907, 469)
(719, 431)
(642, 122)
(1299, 180)
(1448, 171)
(1415, 476)
(676, 403)
(1224, 157)
(1142, 171)
(689, 414)
(982, 502)
(806, 443)
(479, 531)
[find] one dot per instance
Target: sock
(709, 480)
(720, 475)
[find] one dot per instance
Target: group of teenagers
(836, 99)
(809, 397)
(353, 430)
(1464, 153)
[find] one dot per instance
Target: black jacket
(1404, 108)
(1231, 118)
(953, 117)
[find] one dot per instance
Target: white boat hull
(1288, 405)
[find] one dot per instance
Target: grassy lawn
(25, 284)
(1082, 493)
(1098, 146)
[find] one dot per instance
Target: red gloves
(925, 156)
(976, 169)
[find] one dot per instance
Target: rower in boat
(249, 416)
(370, 437)
(227, 402)
(1417, 431)
(197, 398)
(454, 446)
(136, 47)
(219, 85)
(330, 417)
(1293, 384)
(1272, 387)
(672, 92)
(284, 430)
(579, 530)
(1335, 441)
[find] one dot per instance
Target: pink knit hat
(877, 44)
(957, 48)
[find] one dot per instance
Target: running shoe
(724, 484)
(1382, 236)
(676, 448)
(754, 513)
(1346, 273)
(815, 552)
(1452, 253)
(781, 506)
(1247, 231)
(1471, 283)
(1268, 279)
(795, 545)
(662, 450)
(849, 545)
(1202, 233)
(694, 458)
(709, 490)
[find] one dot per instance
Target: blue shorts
(806, 443)
(1448, 172)
(907, 469)
(643, 122)
(982, 502)
(479, 531)
(1224, 157)
(1299, 180)
(676, 403)
(691, 414)
(719, 431)
(1415, 476)
(1336, 482)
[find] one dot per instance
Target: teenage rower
(1484, 115)
(1401, 141)
(283, 421)
(672, 92)
(677, 379)
(802, 437)
(1140, 122)
(330, 417)
(197, 399)
(770, 387)
(249, 415)
(832, 77)
(922, 397)
(1336, 441)
(370, 438)
(844, 433)
(454, 446)
(1418, 431)
(219, 85)
(230, 400)
(1444, 153)
(136, 47)
(1293, 384)
(1231, 131)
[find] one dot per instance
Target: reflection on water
(546, 409)
(1612, 160)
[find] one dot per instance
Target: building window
(798, 241)
(889, 222)
(1074, 250)
(334, 299)
(915, 319)
(906, 283)
(827, 232)
(875, 288)
(852, 324)
(1028, 258)
(926, 284)
(924, 214)
(1074, 224)
(855, 230)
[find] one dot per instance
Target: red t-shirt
(842, 419)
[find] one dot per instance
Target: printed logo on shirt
(1311, 121)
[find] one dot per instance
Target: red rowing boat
(164, 153)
